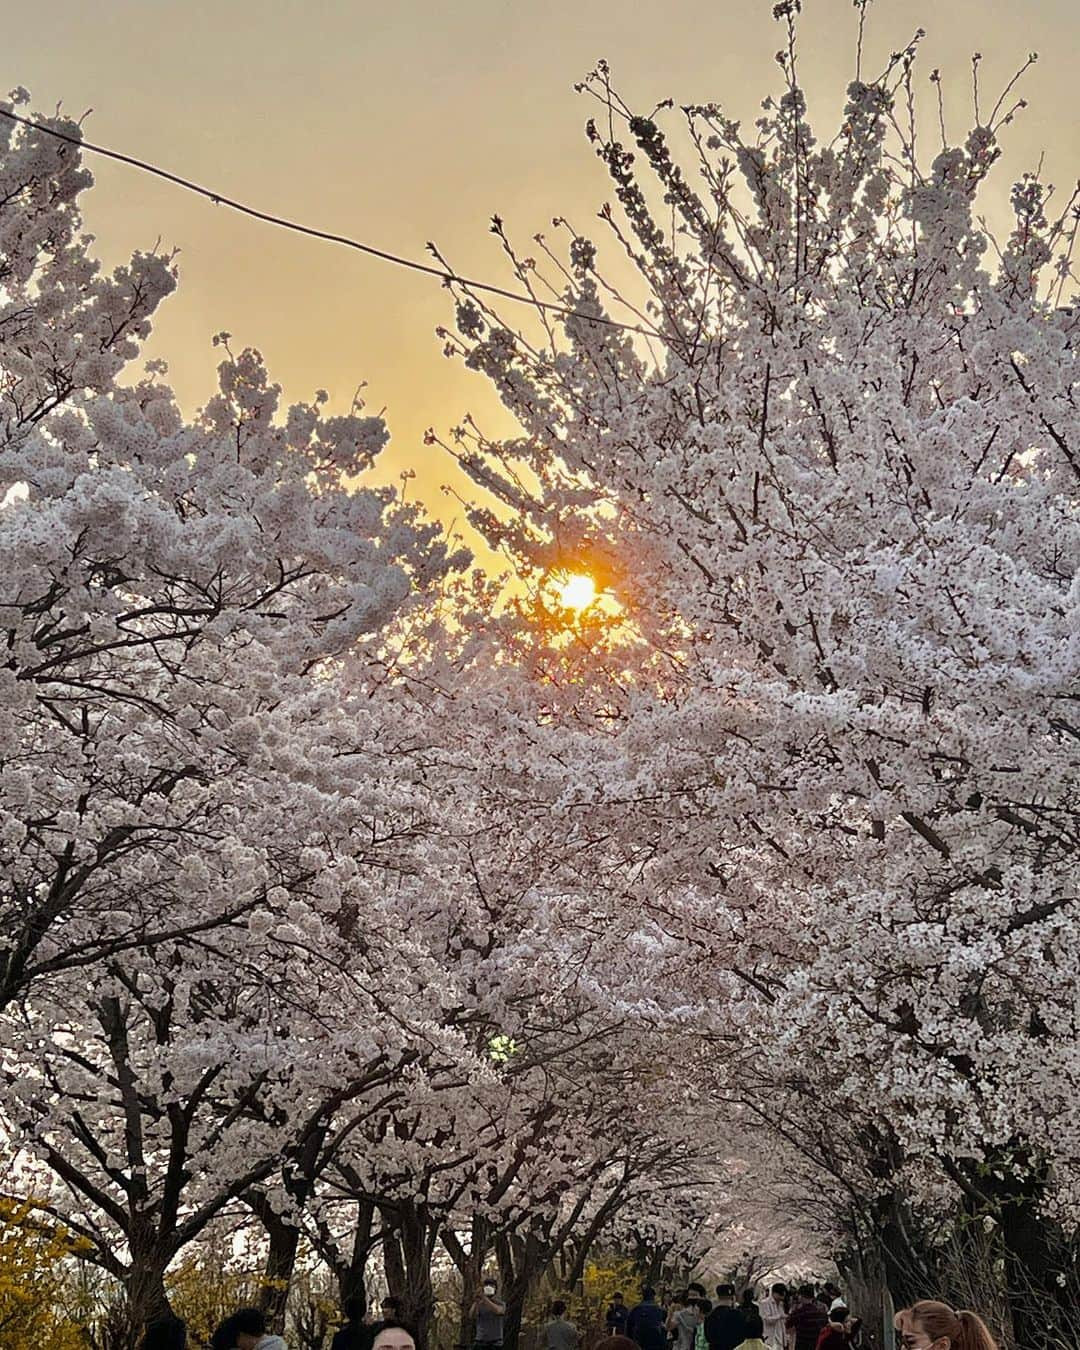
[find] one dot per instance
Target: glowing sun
(578, 591)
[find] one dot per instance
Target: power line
(219, 199)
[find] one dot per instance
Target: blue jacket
(647, 1325)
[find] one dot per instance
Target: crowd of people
(808, 1318)
(811, 1317)
(248, 1329)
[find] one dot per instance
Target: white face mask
(489, 1290)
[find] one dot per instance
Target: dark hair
(249, 1322)
(354, 1307)
(780, 1289)
(165, 1333)
(748, 1297)
(392, 1324)
(683, 1296)
(725, 1291)
(838, 1314)
(704, 1305)
(753, 1323)
(616, 1294)
(558, 1308)
(390, 1301)
(806, 1291)
(698, 1289)
(648, 1292)
(224, 1337)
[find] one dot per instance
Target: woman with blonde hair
(929, 1325)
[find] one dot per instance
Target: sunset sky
(415, 120)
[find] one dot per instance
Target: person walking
(617, 1313)
(645, 1325)
(755, 1330)
(355, 1334)
(724, 1326)
(165, 1333)
(559, 1334)
(932, 1325)
(834, 1335)
(684, 1322)
(773, 1310)
(249, 1326)
(806, 1319)
(224, 1337)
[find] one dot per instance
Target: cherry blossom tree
(199, 822)
(167, 587)
(829, 485)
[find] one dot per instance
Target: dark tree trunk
(521, 1263)
(352, 1277)
(470, 1265)
(145, 1288)
(408, 1246)
(283, 1239)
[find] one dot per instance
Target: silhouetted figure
(646, 1325)
(355, 1334)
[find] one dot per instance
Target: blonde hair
(965, 1330)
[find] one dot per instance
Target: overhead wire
(220, 199)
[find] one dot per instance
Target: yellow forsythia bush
(33, 1249)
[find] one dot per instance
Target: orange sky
(413, 120)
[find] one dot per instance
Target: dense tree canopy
(347, 897)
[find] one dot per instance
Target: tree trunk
(352, 1277)
(408, 1245)
(470, 1265)
(283, 1240)
(521, 1263)
(145, 1289)
(284, 1237)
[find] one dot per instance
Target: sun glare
(577, 592)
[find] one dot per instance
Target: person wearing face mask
(930, 1325)
(490, 1313)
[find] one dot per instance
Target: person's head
(391, 1309)
(748, 1297)
(929, 1325)
(224, 1337)
(696, 1290)
(490, 1288)
(249, 1327)
(703, 1306)
(648, 1294)
(806, 1291)
(755, 1327)
(679, 1300)
(618, 1300)
(165, 1333)
(394, 1336)
(725, 1293)
(779, 1291)
(838, 1314)
(831, 1289)
(354, 1308)
(558, 1308)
